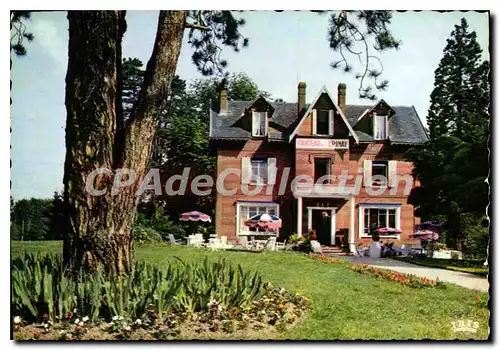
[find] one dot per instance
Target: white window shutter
(255, 125)
(271, 171)
(314, 121)
(367, 173)
(265, 123)
(246, 170)
(375, 126)
(392, 172)
(387, 127)
(330, 122)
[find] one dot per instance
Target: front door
(323, 225)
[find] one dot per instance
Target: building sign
(323, 144)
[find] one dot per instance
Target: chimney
(223, 97)
(302, 96)
(341, 97)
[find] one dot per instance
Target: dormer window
(259, 123)
(323, 122)
(379, 127)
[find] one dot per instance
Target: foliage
(294, 239)
(143, 234)
(240, 87)
(40, 285)
(210, 29)
(132, 80)
(160, 223)
(347, 37)
(18, 32)
(453, 166)
(460, 99)
(403, 278)
(30, 219)
(56, 223)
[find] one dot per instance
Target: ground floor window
(246, 210)
(381, 216)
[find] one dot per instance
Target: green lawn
(344, 304)
(470, 266)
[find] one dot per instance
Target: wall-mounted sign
(323, 144)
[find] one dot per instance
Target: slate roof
(404, 127)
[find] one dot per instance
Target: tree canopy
(453, 166)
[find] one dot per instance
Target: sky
(285, 48)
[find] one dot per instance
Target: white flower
(120, 318)
(85, 319)
(17, 319)
(81, 324)
(62, 332)
(115, 318)
(138, 321)
(212, 303)
(45, 325)
(124, 324)
(77, 321)
(127, 328)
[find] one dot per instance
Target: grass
(470, 266)
(344, 304)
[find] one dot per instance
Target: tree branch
(196, 26)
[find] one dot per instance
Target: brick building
(329, 166)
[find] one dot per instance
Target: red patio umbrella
(264, 221)
(388, 230)
(195, 216)
(426, 235)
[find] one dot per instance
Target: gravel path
(462, 279)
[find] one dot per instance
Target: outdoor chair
(214, 243)
(172, 239)
(281, 245)
(271, 243)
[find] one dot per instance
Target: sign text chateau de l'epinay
(324, 144)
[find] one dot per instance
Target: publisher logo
(465, 326)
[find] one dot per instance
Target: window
(322, 167)
(259, 170)
(379, 216)
(259, 124)
(322, 122)
(379, 168)
(246, 211)
(379, 127)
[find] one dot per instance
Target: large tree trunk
(99, 232)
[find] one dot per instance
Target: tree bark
(99, 231)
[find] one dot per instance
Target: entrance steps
(334, 250)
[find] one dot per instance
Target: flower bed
(184, 300)
(325, 258)
(403, 278)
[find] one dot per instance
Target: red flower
(478, 299)
(45, 317)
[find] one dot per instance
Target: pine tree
(459, 78)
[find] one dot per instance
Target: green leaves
(40, 285)
(355, 43)
(453, 165)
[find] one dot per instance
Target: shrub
(40, 286)
(144, 234)
(294, 239)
